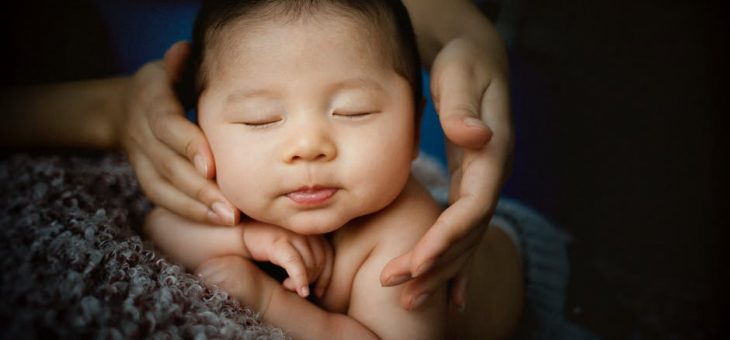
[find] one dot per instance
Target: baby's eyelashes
(262, 123)
(355, 115)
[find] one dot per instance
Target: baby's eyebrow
(357, 83)
(250, 93)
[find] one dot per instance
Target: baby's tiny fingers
(317, 245)
(285, 255)
(289, 285)
(303, 247)
(326, 276)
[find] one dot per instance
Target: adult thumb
(175, 59)
(459, 107)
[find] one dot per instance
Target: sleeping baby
(311, 109)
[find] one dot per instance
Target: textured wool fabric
(74, 265)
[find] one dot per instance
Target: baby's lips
(312, 195)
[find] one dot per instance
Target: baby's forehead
(369, 28)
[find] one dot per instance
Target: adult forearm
(74, 114)
(438, 22)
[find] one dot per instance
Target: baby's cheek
(233, 188)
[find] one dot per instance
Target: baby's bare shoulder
(394, 232)
(408, 218)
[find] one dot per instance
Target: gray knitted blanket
(73, 264)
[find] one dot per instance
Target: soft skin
(175, 167)
(304, 122)
(306, 105)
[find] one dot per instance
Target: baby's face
(309, 125)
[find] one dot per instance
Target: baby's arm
(191, 243)
(373, 312)
(305, 258)
(277, 306)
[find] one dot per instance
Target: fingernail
(426, 266)
(419, 301)
(214, 218)
(200, 165)
(304, 291)
(474, 122)
(396, 280)
(207, 272)
(222, 211)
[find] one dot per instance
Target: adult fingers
(459, 284)
(397, 270)
(495, 108)
(176, 58)
(456, 222)
(419, 290)
(183, 176)
(164, 194)
(457, 94)
(464, 246)
(169, 125)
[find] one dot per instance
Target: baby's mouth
(312, 195)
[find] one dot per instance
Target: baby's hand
(306, 259)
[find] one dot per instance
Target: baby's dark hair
(390, 17)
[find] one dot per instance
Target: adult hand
(470, 90)
(170, 155)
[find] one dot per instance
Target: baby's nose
(311, 144)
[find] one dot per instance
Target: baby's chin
(310, 222)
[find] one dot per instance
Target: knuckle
(468, 107)
(293, 262)
(158, 118)
(190, 147)
(134, 137)
(167, 169)
(205, 192)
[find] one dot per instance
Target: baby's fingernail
(474, 122)
(419, 301)
(426, 266)
(304, 291)
(200, 165)
(206, 272)
(221, 210)
(396, 280)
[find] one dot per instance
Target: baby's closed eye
(262, 122)
(355, 114)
